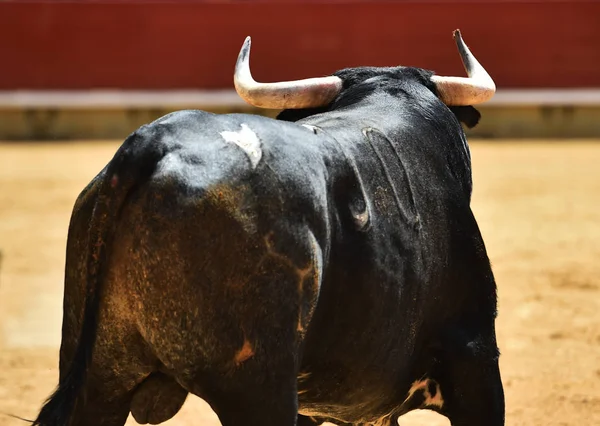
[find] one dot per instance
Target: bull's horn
(309, 93)
(477, 88)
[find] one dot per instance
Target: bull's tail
(133, 163)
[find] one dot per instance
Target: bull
(324, 266)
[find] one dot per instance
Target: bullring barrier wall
(99, 69)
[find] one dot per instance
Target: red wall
(183, 44)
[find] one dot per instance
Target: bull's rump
(207, 255)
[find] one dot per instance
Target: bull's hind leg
(105, 396)
(118, 364)
(261, 391)
(121, 377)
(256, 384)
(260, 387)
(267, 405)
(102, 406)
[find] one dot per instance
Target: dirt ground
(538, 206)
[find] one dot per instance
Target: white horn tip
(246, 46)
(244, 53)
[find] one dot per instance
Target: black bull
(325, 265)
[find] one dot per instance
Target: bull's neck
(382, 115)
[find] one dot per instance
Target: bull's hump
(246, 139)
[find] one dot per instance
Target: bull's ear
(467, 115)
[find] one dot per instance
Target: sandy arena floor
(538, 205)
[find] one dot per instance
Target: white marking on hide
(248, 141)
(312, 128)
(423, 385)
